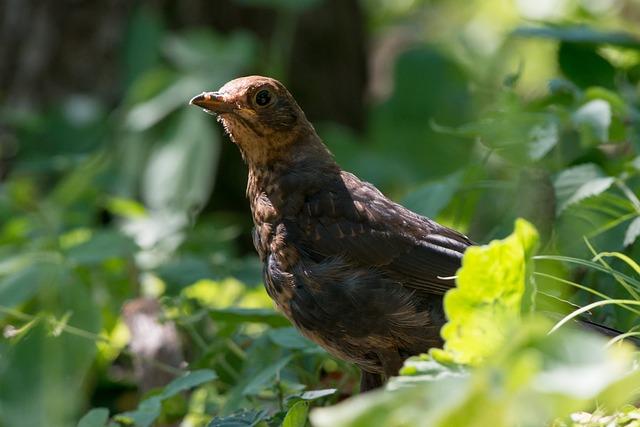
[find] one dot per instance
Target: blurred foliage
(523, 374)
(486, 111)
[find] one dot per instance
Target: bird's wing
(353, 220)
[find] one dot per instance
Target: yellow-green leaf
(487, 299)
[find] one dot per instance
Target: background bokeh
(122, 209)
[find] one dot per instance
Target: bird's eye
(263, 98)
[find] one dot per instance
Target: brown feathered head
(259, 114)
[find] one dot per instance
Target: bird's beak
(213, 102)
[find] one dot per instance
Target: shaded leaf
(572, 58)
(244, 418)
(289, 338)
(20, 286)
(149, 409)
(297, 5)
(187, 381)
(580, 34)
(255, 315)
(266, 376)
(101, 246)
(430, 198)
(97, 417)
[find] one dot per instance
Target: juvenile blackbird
(358, 274)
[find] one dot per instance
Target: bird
(355, 272)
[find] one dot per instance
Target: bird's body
(355, 272)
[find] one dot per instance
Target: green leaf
(187, 381)
(633, 231)
(206, 53)
(97, 417)
(297, 415)
(531, 380)
(150, 408)
(542, 138)
(41, 374)
(266, 376)
(425, 368)
(102, 245)
(430, 198)
(593, 119)
(140, 47)
(584, 66)
(20, 286)
(254, 315)
(487, 300)
(575, 184)
(243, 418)
(180, 172)
(580, 34)
(289, 338)
(296, 5)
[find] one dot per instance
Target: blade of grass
(621, 337)
(585, 263)
(631, 263)
(589, 307)
(614, 273)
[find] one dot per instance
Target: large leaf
(487, 300)
(21, 285)
(180, 172)
(41, 373)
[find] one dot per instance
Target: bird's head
(259, 114)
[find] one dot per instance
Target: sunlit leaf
(297, 415)
(487, 300)
(317, 394)
(633, 231)
(574, 184)
(594, 117)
